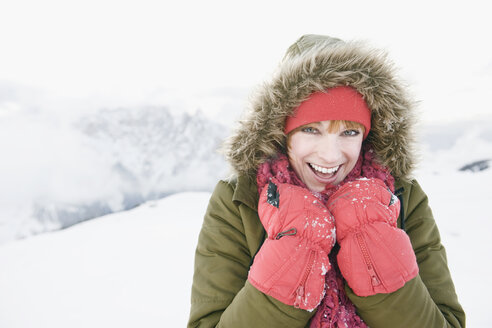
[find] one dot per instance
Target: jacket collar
(246, 192)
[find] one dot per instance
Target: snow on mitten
(375, 256)
(292, 262)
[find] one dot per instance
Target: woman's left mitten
(375, 256)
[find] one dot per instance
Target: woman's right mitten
(292, 262)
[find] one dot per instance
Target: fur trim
(315, 63)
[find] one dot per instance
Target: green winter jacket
(232, 232)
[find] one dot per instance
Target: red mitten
(292, 263)
(375, 256)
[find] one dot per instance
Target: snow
(129, 269)
(460, 204)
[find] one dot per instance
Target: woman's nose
(329, 150)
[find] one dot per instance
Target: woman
(310, 231)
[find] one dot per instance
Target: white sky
(108, 52)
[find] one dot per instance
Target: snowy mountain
(154, 153)
(108, 161)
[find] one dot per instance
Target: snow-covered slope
(460, 204)
(128, 269)
(134, 268)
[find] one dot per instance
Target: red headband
(339, 103)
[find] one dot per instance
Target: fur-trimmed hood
(316, 63)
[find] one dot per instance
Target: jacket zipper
(370, 267)
(290, 232)
(300, 289)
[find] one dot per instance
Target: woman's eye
(309, 129)
(351, 133)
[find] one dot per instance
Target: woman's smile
(323, 174)
(324, 170)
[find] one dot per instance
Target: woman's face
(321, 156)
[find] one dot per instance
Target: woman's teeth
(324, 169)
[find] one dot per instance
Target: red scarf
(335, 310)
